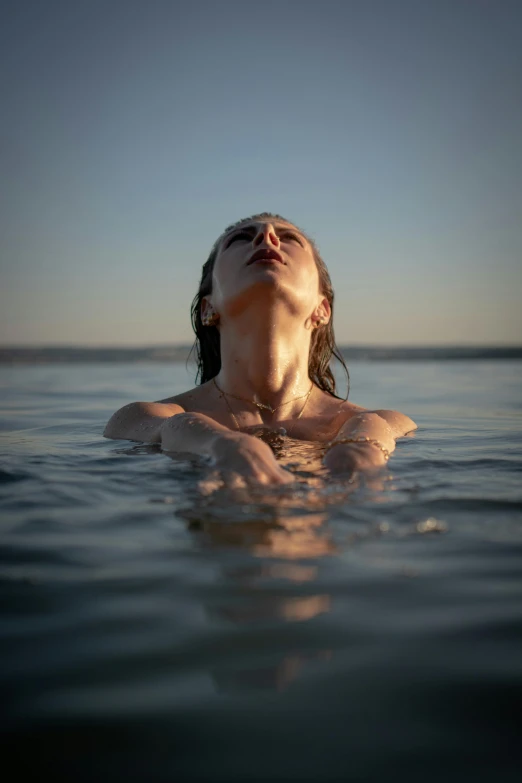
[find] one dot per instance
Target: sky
(133, 133)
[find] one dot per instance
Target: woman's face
(259, 258)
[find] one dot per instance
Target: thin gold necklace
(260, 405)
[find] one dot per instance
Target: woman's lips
(266, 255)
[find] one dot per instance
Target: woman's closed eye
(290, 235)
(239, 235)
(248, 236)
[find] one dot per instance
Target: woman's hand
(351, 457)
(240, 459)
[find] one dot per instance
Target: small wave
(11, 476)
(455, 504)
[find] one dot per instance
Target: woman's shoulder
(399, 422)
(342, 408)
(188, 400)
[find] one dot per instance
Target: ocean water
(331, 631)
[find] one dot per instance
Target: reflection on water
(275, 677)
(286, 532)
(288, 527)
(272, 535)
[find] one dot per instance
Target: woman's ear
(209, 317)
(322, 313)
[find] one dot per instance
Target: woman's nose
(266, 234)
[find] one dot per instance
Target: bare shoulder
(161, 409)
(399, 422)
(351, 408)
(338, 412)
(191, 400)
(128, 421)
(344, 410)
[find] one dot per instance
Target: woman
(264, 340)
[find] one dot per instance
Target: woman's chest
(317, 429)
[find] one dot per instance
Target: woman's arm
(141, 421)
(233, 453)
(366, 440)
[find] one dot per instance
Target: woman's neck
(265, 358)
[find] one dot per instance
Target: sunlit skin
(267, 310)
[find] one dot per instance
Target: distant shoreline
(180, 353)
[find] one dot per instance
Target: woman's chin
(271, 268)
(264, 290)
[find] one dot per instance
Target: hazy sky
(133, 132)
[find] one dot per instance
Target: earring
(211, 319)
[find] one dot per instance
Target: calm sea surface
(327, 631)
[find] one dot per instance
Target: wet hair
(207, 347)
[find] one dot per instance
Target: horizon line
(185, 345)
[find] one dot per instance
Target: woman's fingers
(229, 479)
(271, 474)
(234, 481)
(242, 462)
(285, 477)
(210, 483)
